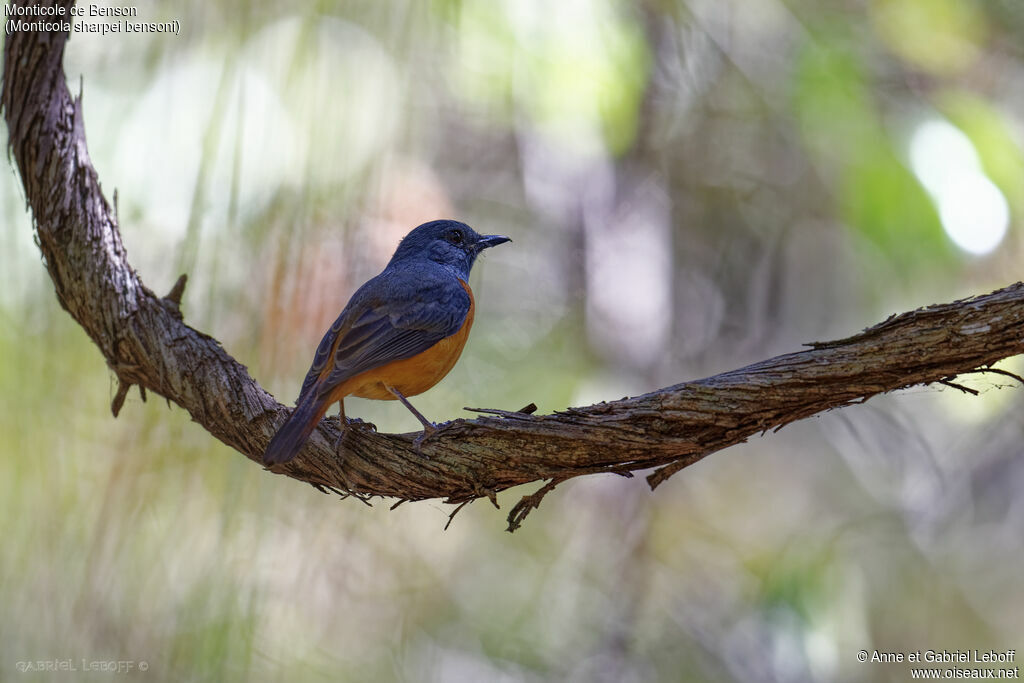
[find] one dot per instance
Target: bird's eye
(455, 236)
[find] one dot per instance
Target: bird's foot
(340, 440)
(429, 430)
(361, 425)
(348, 425)
(432, 429)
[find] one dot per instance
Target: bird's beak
(490, 241)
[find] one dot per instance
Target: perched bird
(399, 334)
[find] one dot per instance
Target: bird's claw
(353, 423)
(360, 424)
(429, 430)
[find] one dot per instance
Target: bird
(399, 335)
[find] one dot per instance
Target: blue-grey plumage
(399, 334)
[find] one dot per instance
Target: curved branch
(145, 342)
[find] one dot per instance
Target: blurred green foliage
(745, 166)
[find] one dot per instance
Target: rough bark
(146, 342)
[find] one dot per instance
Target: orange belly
(414, 375)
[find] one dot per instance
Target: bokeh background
(691, 185)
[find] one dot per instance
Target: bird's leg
(428, 427)
(343, 424)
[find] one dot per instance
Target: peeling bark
(146, 343)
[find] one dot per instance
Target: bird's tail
(294, 432)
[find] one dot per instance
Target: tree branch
(145, 342)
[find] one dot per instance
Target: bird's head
(450, 243)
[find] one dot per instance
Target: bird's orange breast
(413, 375)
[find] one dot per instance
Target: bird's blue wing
(396, 315)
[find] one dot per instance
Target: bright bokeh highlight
(974, 213)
